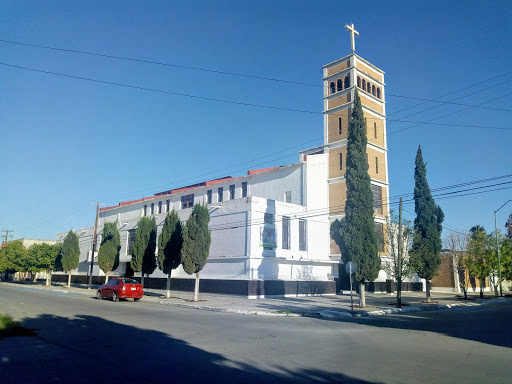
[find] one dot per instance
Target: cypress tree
(196, 243)
(108, 255)
(170, 242)
(144, 247)
(70, 254)
(355, 233)
(426, 244)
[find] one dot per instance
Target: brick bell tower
(340, 78)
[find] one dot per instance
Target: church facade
(270, 228)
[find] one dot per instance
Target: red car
(120, 288)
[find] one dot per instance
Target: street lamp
(497, 245)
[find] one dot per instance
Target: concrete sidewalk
(313, 306)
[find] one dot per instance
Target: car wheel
(114, 297)
(98, 295)
(136, 299)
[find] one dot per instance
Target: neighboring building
(270, 228)
(448, 279)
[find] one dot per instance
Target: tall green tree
(355, 233)
(144, 247)
(42, 258)
(196, 243)
(108, 255)
(70, 252)
(170, 242)
(480, 250)
(12, 256)
(426, 244)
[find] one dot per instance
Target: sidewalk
(312, 306)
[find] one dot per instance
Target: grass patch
(285, 311)
(10, 328)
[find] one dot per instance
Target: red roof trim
(255, 171)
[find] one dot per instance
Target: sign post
(350, 268)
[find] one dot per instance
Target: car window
(129, 281)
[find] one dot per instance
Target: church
(270, 227)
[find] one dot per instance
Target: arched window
(333, 89)
(364, 85)
(339, 85)
(378, 93)
(369, 89)
(358, 82)
(373, 90)
(347, 82)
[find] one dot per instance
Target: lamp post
(497, 245)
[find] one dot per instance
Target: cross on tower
(353, 32)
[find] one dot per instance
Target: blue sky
(67, 142)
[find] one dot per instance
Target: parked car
(120, 288)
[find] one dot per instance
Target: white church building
(270, 228)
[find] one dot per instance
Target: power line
(223, 100)
(159, 63)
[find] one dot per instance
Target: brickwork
(338, 101)
(337, 198)
(333, 125)
(374, 125)
(368, 70)
(368, 102)
(334, 162)
(444, 276)
(338, 68)
(380, 164)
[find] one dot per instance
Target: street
(81, 339)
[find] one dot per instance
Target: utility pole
(93, 243)
(7, 234)
(400, 252)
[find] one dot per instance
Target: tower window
(159, 207)
(377, 199)
(341, 161)
(168, 205)
(375, 129)
(358, 82)
(339, 125)
(378, 93)
(231, 191)
(209, 196)
(333, 89)
(364, 85)
(373, 90)
(376, 164)
(339, 85)
(347, 82)
(152, 208)
(220, 192)
(244, 189)
(369, 88)
(145, 210)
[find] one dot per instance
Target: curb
(324, 314)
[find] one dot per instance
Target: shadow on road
(87, 349)
(490, 325)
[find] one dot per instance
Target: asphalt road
(84, 340)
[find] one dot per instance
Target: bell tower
(340, 79)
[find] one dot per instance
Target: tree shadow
(86, 349)
(474, 323)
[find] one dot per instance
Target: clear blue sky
(66, 142)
